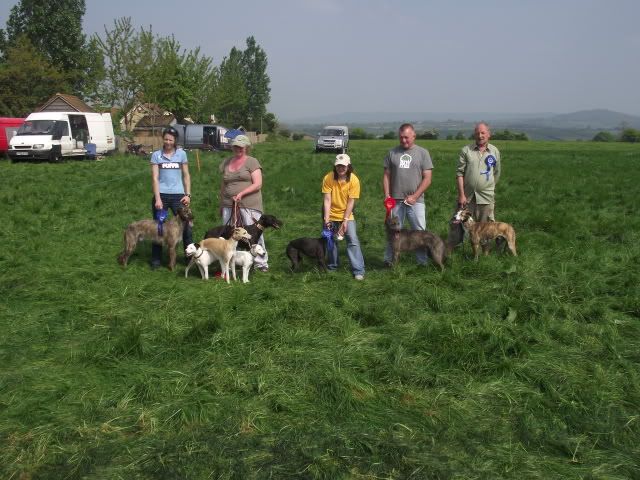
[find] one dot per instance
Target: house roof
(150, 121)
(61, 102)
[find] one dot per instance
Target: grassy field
(521, 368)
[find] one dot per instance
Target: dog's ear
(197, 245)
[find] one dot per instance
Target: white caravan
(53, 135)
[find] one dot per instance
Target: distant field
(524, 367)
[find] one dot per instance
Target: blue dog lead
(161, 216)
(327, 233)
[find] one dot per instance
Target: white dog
(203, 258)
(244, 259)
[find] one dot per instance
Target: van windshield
(37, 127)
(329, 132)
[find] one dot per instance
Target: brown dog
(482, 234)
(148, 230)
(409, 240)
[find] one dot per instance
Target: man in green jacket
(477, 175)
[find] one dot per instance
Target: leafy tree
(180, 81)
(449, 137)
(254, 66)
(27, 79)
(231, 96)
(54, 28)
(269, 123)
(460, 136)
(604, 137)
(297, 136)
(630, 135)
(391, 135)
(508, 135)
(429, 135)
(129, 60)
(284, 132)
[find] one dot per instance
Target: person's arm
(256, 184)
(386, 183)
(460, 173)
(347, 213)
(326, 207)
(424, 184)
(186, 182)
(462, 198)
(155, 186)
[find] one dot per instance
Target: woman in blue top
(171, 185)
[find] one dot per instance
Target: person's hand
(158, 204)
(186, 200)
(343, 228)
(238, 197)
(410, 199)
(462, 200)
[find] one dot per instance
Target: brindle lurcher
(482, 234)
(148, 230)
(409, 240)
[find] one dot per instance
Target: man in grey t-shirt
(407, 174)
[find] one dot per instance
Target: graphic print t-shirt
(406, 168)
(170, 177)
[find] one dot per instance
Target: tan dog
(482, 233)
(223, 250)
(148, 230)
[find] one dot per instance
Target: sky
(334, 56)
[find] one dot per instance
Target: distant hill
(581, 125)
(417, 117)
(599, 119)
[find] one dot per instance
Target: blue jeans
(249, 217)
(172, 202)
(416, 215)
(354, 253)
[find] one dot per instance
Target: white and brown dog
(481, 234)
(203, 258)
(217, 249)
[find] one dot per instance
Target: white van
(53, 135)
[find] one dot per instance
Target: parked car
(54, 135)
(8, 128)
(333, 138)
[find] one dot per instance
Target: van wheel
(54, 157)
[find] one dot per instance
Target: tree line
(43, 50)
(627, 135)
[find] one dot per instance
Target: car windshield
(328, 132)
(37, 127)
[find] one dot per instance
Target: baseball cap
(241, 141)
(342, 159)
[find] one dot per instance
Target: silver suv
(334, 138)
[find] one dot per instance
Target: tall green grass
(507, 367)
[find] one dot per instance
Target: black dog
(311, 247)
(255, 230)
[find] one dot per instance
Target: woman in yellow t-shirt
(340, 189)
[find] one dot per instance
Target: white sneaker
(359, 277)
